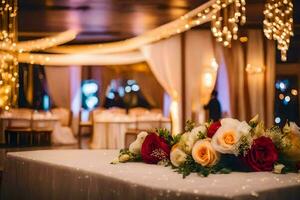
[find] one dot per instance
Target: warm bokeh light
(225, 22)
(294, 92)
(278, 24)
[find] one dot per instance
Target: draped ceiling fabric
(164, 59)
(126, 58)
(250, 93)
(198, 58)
(64, 88)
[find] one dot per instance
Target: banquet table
(88, 174)
(109, 130)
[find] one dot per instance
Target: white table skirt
(87, 174)
(110, 135)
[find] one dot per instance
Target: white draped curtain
(164, 59)
(64, 84)
(200, 74)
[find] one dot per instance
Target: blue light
(277, 120)
(282, 85)
(131, 82)
(46, 102)
(127, 89)
(135, 88)
(110, 95)
(89, 88)
(121, 91)
(91, 102)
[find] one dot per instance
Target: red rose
(212, 129)
(262, 155)
(154, 149)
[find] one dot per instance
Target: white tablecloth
(109, 129)
(110, 134)
(60, 134)
(87, 174)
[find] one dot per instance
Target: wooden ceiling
(109, 20)
(112, 20)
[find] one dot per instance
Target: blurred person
(214, 107)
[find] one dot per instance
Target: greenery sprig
(190, 166)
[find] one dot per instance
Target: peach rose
(204, 154)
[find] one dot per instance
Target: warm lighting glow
(278, 24)
(226, 20)
(243, 39)
(214, 64)
(174, 110)
(251, 69)
(281, 96)
(294, 92)
(208, 79)
(8, 60)
(11, 49)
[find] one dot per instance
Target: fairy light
(11, 49)
(198, 16)
(225, 22)
(278, 24)
(8, 60)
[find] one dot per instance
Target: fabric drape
(151, 89)
(261, 56)
(64, 88)
(255, 60)
(252, 90)
(200, 74)
(58, 79)
(164, 59)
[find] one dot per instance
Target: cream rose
(177, 156)
(188, 139)
(136, 146)
(292, 151)
(228, 135)
(194, 135)
(204, 153)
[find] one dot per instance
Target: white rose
(177, 156)
(229, 134)
(136, 146)
(195, 132)
(188, 139)
(185, 143)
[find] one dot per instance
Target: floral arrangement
(219, 147)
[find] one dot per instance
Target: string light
(8, 60)
(226, 20)
(199, 15)
(278, 24)
(10, 49)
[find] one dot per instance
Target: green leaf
(189, 125)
